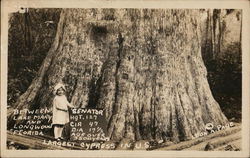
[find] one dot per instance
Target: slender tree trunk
(143, 66)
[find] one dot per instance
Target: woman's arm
(70, 105)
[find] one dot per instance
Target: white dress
(60, 110)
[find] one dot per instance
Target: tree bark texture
(143, 66)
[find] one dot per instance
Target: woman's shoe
(61, 138)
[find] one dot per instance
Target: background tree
(221, 51)
(29, 39)
(143, 66)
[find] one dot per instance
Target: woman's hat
(58, 86)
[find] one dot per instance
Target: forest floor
(224, 140)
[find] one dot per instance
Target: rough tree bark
(143, 66)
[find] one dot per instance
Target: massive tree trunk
(143, 66)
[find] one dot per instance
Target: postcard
(124, 78)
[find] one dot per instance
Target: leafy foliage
(224, 77)
(30, 37)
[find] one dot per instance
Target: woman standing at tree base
(60, 111)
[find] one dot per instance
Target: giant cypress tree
(143, 66)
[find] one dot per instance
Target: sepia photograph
(135, 79)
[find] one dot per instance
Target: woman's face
(60, 91)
